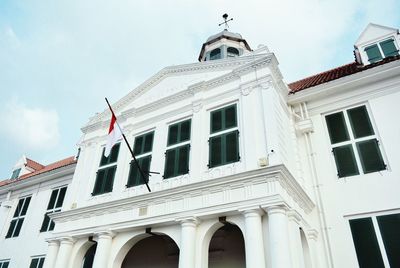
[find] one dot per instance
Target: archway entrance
(89, 257)
(157, 251)
(227, 248)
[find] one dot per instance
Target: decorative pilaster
(52, 251)
(104, 241)
(296, 248)
(188, 242)
(278, 237)
(64, 253)
(254, 245)
(312, 239)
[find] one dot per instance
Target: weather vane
(225, 16)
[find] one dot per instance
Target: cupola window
(389, 48)
(232, 52)
(373, 53)
(215, 54)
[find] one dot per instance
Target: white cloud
(30, 128)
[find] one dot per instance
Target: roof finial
(225, 16)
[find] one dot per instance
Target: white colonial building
(254, 172)
(33, 192)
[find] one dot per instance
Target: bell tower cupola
(224, 44)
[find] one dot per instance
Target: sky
(59, 59)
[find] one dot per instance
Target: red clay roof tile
(334, 74)
(33, 164)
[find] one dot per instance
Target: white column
(254, 245)
(104, 241)
(64, 253)
(312, 237)
(296, 248)
(51, 256)
(188, 241)
(278, 237)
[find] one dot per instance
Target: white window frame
(2, 262)
(38, 258)
(19, 216)
(378, 43)
(54, 209)
(352, 140)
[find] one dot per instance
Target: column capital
(294, 216)
(105, 234)
(67, 240)
(53, 241)
(254, 211)
(276, 209)
(189, 221)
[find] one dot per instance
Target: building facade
(244, 169)
(26, 200)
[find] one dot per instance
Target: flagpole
(130, 149)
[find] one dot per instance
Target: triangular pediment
(374, 32)
(172, 80)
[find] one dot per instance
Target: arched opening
(226, 248)
(154, 251)
(306, 249)
(215, 54)
(232, 52)
(89, 257)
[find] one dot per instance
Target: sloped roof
(33, 164)
(59, 164)
(336, 73)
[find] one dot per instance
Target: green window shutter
(11, 228)
(61, 197)
(109, 182)
(184, 131)
(179, 132)
(232, 147)
(366, 243)
(223, 119)
(230, 117)
(373, 53)
(113, 157)
(34, 263)
(18, 227)
(148, 142)
(135, 177)
(169, 163)
(173, 134)
(45, 223)
(345, 161)
(337, 128)
(183, 160)
(360, 122)
(370, 156)
(216, 121)
(389, 227)
(137, 148)
(389, 48)
(215, 151)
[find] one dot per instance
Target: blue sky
(59, 59)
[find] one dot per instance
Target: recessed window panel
(215, 151)
(232, 152)
(360, 123)
(366, 243)
(373, 53)
(216, 121)
(337, 128)
(345, 161)
(137, 147)
(389, 226)
(230, 117)
(389, 48)
(370, 156)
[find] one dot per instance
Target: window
(224, 137)
(105, 175)
(4, 263)
(386, 48)
(232, 52)
(355, 145)
(215, 54)
(142, 149)
(178, 148)
(15, 175)
(37, 262)
(55, 204)
(376, 240)
(18, 218)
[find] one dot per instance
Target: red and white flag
(114, 134)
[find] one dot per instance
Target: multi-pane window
(142, 149)
(18, 217)
(37, 262)
(376, 240)
(224, 137)
(354, 142)
(4, 263)
(386, 48)
(15, 174)
(178, 149)
(105, 175)
(55, 204)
